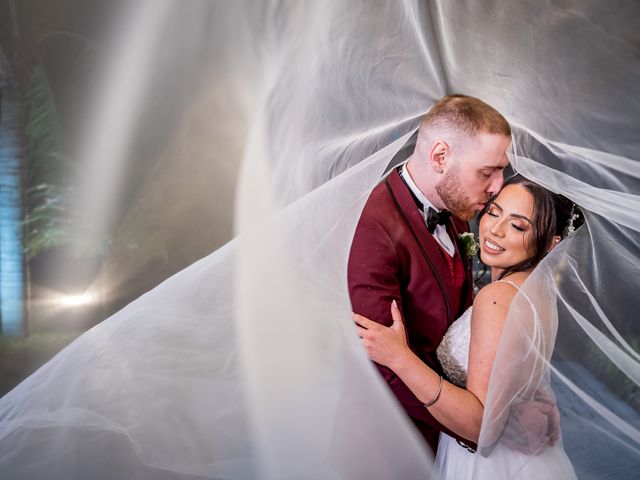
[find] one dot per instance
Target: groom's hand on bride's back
(546, 395)
(532, 426)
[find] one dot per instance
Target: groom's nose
(495, 185)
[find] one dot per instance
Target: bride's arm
(521, 412)
(458, 409)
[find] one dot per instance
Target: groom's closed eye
(488, 171)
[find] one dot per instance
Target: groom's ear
(438, 156)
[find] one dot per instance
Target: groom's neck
(424, 178)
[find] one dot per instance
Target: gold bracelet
(437, 397)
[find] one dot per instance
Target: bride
(517, 229)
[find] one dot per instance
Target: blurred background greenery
(174, 203)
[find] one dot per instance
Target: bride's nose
(497, 229)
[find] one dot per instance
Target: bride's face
(506, 232)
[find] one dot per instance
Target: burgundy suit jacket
(393, 256)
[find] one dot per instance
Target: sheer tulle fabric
(246, 364)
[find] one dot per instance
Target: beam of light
(76, 300)
(104, 148)
(103, 152)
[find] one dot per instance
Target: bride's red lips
(489, 249)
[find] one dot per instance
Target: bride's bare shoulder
(500, 292)
(490, 310)
(493, 301)
(496, 294)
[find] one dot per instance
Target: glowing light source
(76, 300)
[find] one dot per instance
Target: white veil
(246, 364)
(579, 343)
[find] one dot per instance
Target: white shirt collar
(440, 233)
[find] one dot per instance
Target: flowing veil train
(246, 364)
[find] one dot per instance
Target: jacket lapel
(427, 244)
(457, 227)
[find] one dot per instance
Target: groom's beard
(454, 197)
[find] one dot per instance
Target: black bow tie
(437, 218)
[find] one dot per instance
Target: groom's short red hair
(464, 114)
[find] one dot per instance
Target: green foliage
(42, 129)
(50, 173)
(39, 345)
(47, 190)
(21, 356)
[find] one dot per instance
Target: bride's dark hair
(553, 214)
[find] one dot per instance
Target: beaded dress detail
(453, 351)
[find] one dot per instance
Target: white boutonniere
(469, 244)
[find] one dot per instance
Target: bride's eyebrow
(516, 215)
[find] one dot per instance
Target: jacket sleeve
(374, 281)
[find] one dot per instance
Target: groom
(406, 245)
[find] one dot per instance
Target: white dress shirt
(440, 233)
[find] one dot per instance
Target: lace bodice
(453, 351)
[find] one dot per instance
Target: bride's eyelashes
(494, 212)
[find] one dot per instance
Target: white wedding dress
(457, 462)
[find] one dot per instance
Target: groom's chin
(466, 215)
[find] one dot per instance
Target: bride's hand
(384, 345)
